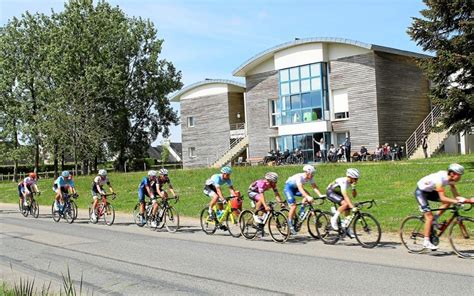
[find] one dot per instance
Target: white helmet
(309, 169)
(163, 172)
(102, 173)
(151, 173)
(272, 177)
(353, 173)
(457, 168)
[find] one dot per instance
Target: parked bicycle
(460, 234)
(277, 224)
(31, 208)
(363, 226)
(104, 210)
(167, 216)
(309, 215)
(68, 210)
(227, 219)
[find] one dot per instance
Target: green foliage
(165, 154)
(447, 29)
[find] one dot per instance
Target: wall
(357, 75)
(260, 89)
(211, 128)
(236, 105)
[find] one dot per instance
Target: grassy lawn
(391, 184)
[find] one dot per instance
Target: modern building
(302, 91)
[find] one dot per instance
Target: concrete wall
(210, 131)
(260, 89)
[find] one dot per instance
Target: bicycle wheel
(34, 209)
(137, 216)
(248, 227)
(232, 223)
(69, 213)
(74, 210)
(209, 226)
(278, 227)
(324, 229)
(312, 225)
(55, 214)
(109, 214)
(411, 233)
(171, 219)
(461, 236)
(94, 221)
(367, 230)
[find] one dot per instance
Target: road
(127, 260)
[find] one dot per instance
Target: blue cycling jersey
(217, 181)
(61, 182)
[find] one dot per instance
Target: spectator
(394, 152)
(322, 148)
(386, 151)
(341, 155)
(424, 144)
(400, 153)
(347, 148)
(363, 154)
(332, 153)
(378, 153)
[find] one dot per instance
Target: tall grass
(391, 184)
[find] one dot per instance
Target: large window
(303, 142)
(341, 104)
(302, 94)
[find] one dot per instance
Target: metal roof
(175, 97)
(260, 57)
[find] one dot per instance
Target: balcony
(237, 130)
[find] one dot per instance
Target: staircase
(434, 139)
(236, 147)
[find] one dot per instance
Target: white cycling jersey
(434, 181)
(299, 178)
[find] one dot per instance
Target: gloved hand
(354, 210)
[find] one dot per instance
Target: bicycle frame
(225, 211)
(455, 216)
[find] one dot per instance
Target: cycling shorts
(290, 193)
(255, 196)
(22, 189)
(334, 196)
(63, 189)
(210, 190)
(422, 198)
(142, 192)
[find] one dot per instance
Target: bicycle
(31, 208)
(229, 215)
(277, 224)
(68, 210)
(310, 214)
(460, 233)
(167, 216)
(104, 209)
(365, 228)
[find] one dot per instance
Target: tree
(447, 29)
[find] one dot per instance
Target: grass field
(391, 184)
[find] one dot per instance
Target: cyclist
(26, 187)
(147, 187)
(337, 192)
(97, 189)
(294, 187)
(213, 189)
(63, 184)
(162, 180)
(256, 192)
(431, 187)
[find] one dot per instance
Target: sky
(211, 38)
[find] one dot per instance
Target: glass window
(294, 73)
(317, 113)
(305, 85)
(296, 116)
(285, 89)
(307, 115)
(286, 103)
(192, 152)
(316, 99)
(284, 75)
(190, 121)
(295, 87)
(306, 100)
(316, 83)
(304, 71)
(315, 70)
(295, 102)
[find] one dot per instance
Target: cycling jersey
(212, 183)
(434, 181)
(337, 188)
(163, 181)
(291, 186)
(99, 181)
(142, 192)
(63, 183)
(259, 187)
(25, 184)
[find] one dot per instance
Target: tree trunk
(62, 160)
(15, 144)
(96, 160)
(56, 156)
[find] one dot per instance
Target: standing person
(26, 187)
(424, 144)
(347, 147)
(213, 189)
(98, 190)
(322, 148)
(431, 187)
(332, 156)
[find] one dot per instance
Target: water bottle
(347, 221)
(333, 210)
(252, 203)
(160, 213)
(219, 214)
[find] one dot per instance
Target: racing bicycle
(67, 210)
(103, 210)
(227, 219)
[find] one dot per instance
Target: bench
(255, 160)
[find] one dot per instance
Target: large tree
(447, 29)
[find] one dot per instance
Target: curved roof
(262, 56)
(175, 97)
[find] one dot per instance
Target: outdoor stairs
(435, 141)
(232, 152)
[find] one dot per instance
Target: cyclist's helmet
(65, 174)
(152, 173)
(353, 173)
(309, 169)
(163, 172)
(102, 173)
(272, 177)
(226, 170)
(457, 168)
(32, 175)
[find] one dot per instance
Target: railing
(425, 127)
(237, 126)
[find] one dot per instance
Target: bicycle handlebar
(371, 202)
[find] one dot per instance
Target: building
(301, 91)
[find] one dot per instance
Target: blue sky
(210, 38)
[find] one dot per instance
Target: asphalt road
(127, 260)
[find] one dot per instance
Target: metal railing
(426, 126)
(237, 126)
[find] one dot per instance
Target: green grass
(391, 184)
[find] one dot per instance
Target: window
(192, 152)
(341, 104)
(190, 121)
(274, 113)
(301, 95)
